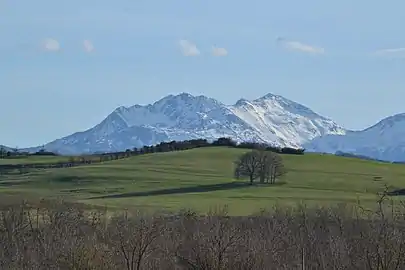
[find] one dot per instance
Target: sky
(65, 65)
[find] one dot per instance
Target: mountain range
(382, 141)
(270, 119)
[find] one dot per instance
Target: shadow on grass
(397, 192)
(13, 183)
(181, 190)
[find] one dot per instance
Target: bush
(44, 153)
(60, 235)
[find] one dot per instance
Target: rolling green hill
(202, 179)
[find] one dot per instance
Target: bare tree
(3, 152)
(248, 165)
(266, 165)
(61, 235)
(273, 167)
(134, 238)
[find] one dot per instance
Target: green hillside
(202, 179)
(33, 160)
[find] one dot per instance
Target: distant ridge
(270, 119)
(382, 141)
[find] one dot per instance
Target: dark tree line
(161, 147)
(279, 150)
(6, 153)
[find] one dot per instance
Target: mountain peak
(271, 100)
(185, 95)
(271, 96)
(181, 96)
(186, 99)
(121, 109)
(390, 122)
(241, 101)
(395, 118)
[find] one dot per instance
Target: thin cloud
(219, 51)
(88, 46)
(393, 52)
(188, 48)
(50, 44)
(299, 46)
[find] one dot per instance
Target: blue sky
(344, 59)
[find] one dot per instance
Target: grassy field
(201, 179)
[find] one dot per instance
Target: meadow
(184, 210)
(202, 179)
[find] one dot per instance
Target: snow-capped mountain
(282, 121)
(270, 119)
(383, 141)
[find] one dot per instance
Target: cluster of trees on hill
(260, 164)
(43, 152)
(4, 153)
(15, 153)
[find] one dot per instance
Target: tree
(3, 152)
(265, 165)
(15, 151)
(223, 141)
(272, 167)
(248, 165)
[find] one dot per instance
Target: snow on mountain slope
(384, 141)
(270, 119)
(181, 111)
(91, 141)
(283, 121)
